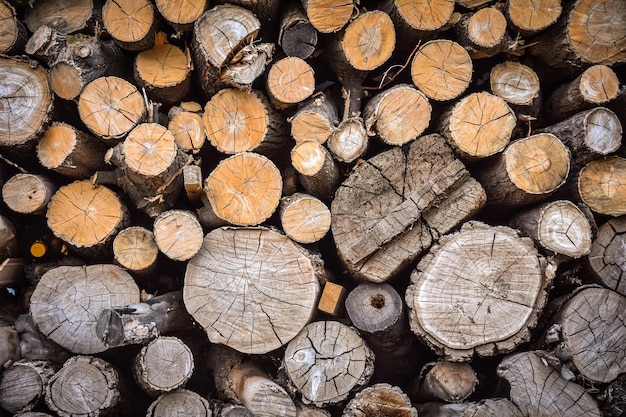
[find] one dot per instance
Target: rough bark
(297, 37)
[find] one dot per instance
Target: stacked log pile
(313, 208)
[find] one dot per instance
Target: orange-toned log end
(149, 149)
(304, 218)
(188, 131)
(85, 216)
(181, 13)
(602, 185)
(27, 193)
(244, 189)
(331, 299)
(178, 234)
(531, 16)
(487, 27)
(328, 16)
(130, 22)
(441, 69)
(290, 81)
(599, 84)
(235, 120)
(164, 71)
(66, 81)
(316, 120)
(9, 29)
(425, 15)
(369, 40)
(135, 249)
(110, 107)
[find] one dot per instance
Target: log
(451, 382)
(87, 218)
(316, 120)
(484, 33)
(164, 71)
(477, 126)
(289, 81)
(589, 135)
(241, 121)
(581, 37)
(327, 361)
(304, 218)
(23, 385)
(65, 16)
(380, 400)
(591, 334)
(142, 321)
(538, 389)
(601, 185)
(297, 37)
(28, 193)
(558, 227)
(332, 298)
(529, 18)
(501, 407)
(27, 106)
(13, 33)
(163, 365)
(135, 249)
(270, 296)
(303, 410)
(419, 20)
(225, 409)
(397, 115)
(178, 234)
(349, 141)
(181, 14)
(149, 167)
(244, 189)
(66, 394)
(441, 69)
(528, 171)
(70, 152)
(391, 207)
(596, 85)
(317, 171)
(328, 16)
(131, 24)
(242, 381)
(187, 128)
(369, 40)
(68, 300)
(488, 312)
(605, 258)
(111, 107)
(178, 403)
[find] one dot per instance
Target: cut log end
(380, 400)
(449, 382)
(349, 141)
(181, 13)
(132, 34)
(328, 16)
(304, 218)
(135, 249)
(178, 403)
(164, 71)
(606, 256)
(163, 365)
(178, 234)
(369, 40)
(425, 16)
(149, 149)
(28, 193)
(487, 27)
(599, 84)
(290, 81)
(188, 131)
(532, 17)
(602, 187)
(515, 83)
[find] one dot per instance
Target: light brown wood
(257, 311)
(441, 69)
(290, 81)
(384, 212)
(23, 385)
(349, 141)
(484, 33)
(530, 16)
(297, 36)
(135, 249)
(538, 389)
(28, 193)
(70, 152)
(131, 23)
(239, 121)
(559, 227)
(515, 83)
(193, 182)
(188, 130)
(327, 361)
(487, 312)
(606, 259)
(598, 84)
(317, 170)
(446, 381)
(478, 125)
(602, 187)
(68, 299)
(181, 14)
(85, 216)
(111, 107)
(397, 115)
(316, 120)
(328, 16)
(179, 403)
(244, 189)
(528, 171)
(163, 365)
(178, 234)
(13, 34)
(369, 40)
(304, 218)
(331, 300)
(66, 394)
(164, 71)
(380, 400)
(418, 19)
(66, 16)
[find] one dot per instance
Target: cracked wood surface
(539, 390)
(606, 258)
(251, 288)
(179, 403)
(479, 290)
(327, 361)
(380, 400)
(68, 300)
(393, 205)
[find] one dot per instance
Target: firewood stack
(313, 208)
